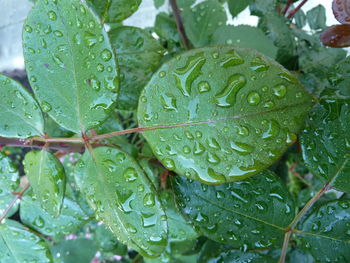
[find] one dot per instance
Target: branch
(39, 144)
(13, 202)
(293, 12)
(179, 24)
(286, 8)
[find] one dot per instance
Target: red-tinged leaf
(336, 36)
(341, 10)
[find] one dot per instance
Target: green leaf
(237, 6)
(139, 55)
(107, 242)
(221, 125)
(202, 20)
(124, 198)
(70, 220)
(80, 250)
(185, 3)
(70, 63)
(326, 142)
(260, 207)
(47, 178)
(165, 27)
(325, 232)
(158, 3)
(20, 115)
(236, 256)
(114, 11)
(244, 36)
(300, 19)
(316, 17)
(9, 183)
(263, 7)
(17, 245)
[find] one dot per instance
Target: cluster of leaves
(188, 156)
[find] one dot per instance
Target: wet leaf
(326, 232)
(9, 183)
(124, 198)
(244, 36)
(326, 144)
(70, 220)
(47, 179)
(165, 27)
(221, 125)
(80, 250)
(114, 11)
(202, 20)
(237, 6)
(316, 17)
(20, 113)
(259, 207)
(336, 36)
(107, 242)
(139, 55)
(341, 11)
(70, 63)
(18, 245)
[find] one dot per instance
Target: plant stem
(13, 202)
(179, 24)
(286, 8)
(293, 12)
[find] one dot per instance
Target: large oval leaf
(222, 113)
(20, 115)
(70, 63)
(47, 178)
(325, 232)
(124, 198)
(70, 220)
(9, 183)
(325, 142)
(139, 55)
(17, 245)
(260, 207)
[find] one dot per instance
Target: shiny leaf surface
(47, 178)
(70, 63)
(70, 220)
(138, 55)
(259, 207)
(124, 198)
(326, 232)
(9, 183)
(20, 115)
(221, 125)
(326, 142)
(18, 245)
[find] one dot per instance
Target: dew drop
(203, 86)
(279, 91)
(227, 97)
(52, 15)
(45, 106)
(130, 174)
(253, 98)
(106, 55)
(149, 200)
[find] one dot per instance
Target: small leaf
(107, 242)
(158, 3)
(221, 113)
(165, 27)
(237, 6)
(325, 232)
(124, 198)
(263, 7)
(70, 63)
(341, 11)
(244, 36)
(316, 17)
(300, 19)
(20, 113)
(9, 183)
(47, 178)
(80, 250)
(17, 245)
(202, 20)
(70, 220)
(326, 144)
(139, 55)
(259, 207)
(336, 36)
(114, 11)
